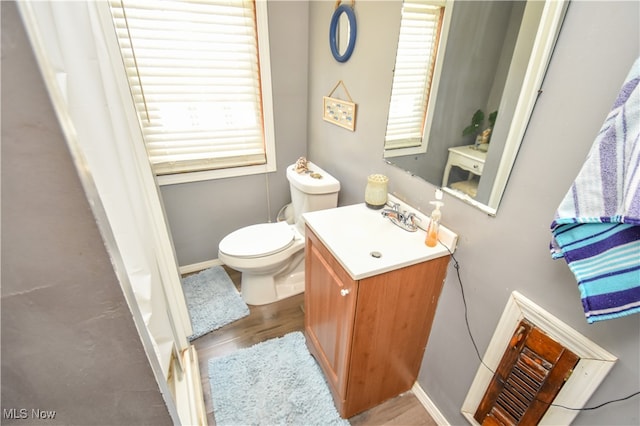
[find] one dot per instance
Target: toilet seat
(259, 240)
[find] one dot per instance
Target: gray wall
(598, 43)
(200, 214)
(69, 343)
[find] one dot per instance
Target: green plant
(476, 122)
(492, 119)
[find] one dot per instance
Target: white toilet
(270, 256)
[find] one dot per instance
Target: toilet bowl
(265, 254)
(270, 256)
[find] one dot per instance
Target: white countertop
(352, 233)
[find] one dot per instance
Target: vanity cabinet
(368, 335)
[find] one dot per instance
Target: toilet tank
(311, 191)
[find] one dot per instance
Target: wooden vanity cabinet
(368, 335)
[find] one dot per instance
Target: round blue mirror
(342, 33)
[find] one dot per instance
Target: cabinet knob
(345, 291)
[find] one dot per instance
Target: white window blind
(417, 47)
(194, 73)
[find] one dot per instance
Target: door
(121, 188)
(330, 296)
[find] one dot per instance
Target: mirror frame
(333, 32)
(546, 35)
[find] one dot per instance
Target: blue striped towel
(597, 225)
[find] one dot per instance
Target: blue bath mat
(276, 382)
(212, 300)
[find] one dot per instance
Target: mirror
(342, 33)
(491, 58)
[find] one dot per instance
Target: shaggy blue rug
(276, 382)
(212, 300)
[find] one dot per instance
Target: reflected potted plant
(481, 136)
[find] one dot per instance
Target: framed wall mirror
(475, 91)
(343, 30)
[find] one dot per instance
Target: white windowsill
(174, 179)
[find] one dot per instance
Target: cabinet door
(330, 296)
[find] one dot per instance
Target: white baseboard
(428, 405)
(196, 267)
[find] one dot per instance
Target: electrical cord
(456, 266)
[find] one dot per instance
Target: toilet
(270, 256)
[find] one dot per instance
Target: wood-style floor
(276, 320)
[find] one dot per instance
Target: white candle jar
(375, 194)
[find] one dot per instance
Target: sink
(367, 244)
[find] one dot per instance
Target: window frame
(433, 91)
(268, 125)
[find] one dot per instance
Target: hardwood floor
(276, 320)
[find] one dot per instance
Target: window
(414, 72)
(199, 77)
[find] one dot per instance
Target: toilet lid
(258, 240)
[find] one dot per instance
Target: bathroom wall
(200, 214)
(497, 255)
(69, 343)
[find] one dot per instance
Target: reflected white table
(468, 158)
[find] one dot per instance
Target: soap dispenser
(434, 225)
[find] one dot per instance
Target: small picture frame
(338, 111)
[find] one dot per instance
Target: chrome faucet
(393, 211)
(402, 219)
